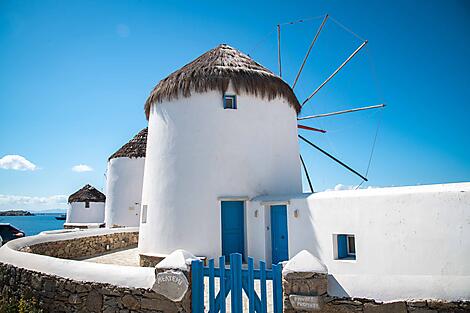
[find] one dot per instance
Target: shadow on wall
(333, 284)
(309, 234)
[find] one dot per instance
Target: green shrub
(24, 305)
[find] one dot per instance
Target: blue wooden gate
(235, 280)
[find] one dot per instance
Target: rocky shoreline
(16, 213)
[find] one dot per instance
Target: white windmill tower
(223, 127)
(124, 181)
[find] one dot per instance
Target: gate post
(197, 287)
(236, 286)
(305, 282)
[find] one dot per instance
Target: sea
(33, 225)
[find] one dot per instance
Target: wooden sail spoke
(333, 158)
(378, 106)
(311, 128)
(335, 72)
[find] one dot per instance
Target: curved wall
(78, 213)
(124, 191)
(199, 152)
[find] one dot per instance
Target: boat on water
(9, 232)
(61, 217)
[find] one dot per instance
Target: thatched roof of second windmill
(214, 70)
(135, 148)
(87, 194)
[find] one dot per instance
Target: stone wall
(314, 287)
(149, 260)
(56, 294)
(84, 246)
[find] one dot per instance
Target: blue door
(233, 228)
(279, 239)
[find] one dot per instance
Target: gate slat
(262, 269)
(222, 283)
(277, 288)
(211, 286)
(251, 287)
(236, 287)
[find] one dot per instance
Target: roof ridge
(134, 148)
(215, 70)
(87, 193)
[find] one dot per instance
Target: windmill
(312, 94)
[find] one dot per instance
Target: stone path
(130, 257)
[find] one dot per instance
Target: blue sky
(74, 76)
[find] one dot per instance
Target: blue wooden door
(279, 238)
(233, 227)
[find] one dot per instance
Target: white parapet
(117, 275)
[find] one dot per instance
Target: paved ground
(130, 257)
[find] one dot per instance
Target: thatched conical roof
(135, 148)
(214, 70)
(87, 194)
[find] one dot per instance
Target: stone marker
(171, 284)
(305, 303)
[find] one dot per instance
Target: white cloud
(344, 187)
(33, 203)
(22, 200)
(339, 187)
(82, 168)
(16, 162)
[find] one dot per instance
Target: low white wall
(411, 242)
(78, 213)
(124, 191)
(123, 276)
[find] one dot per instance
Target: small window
(230, 102)
(144, 214)
(345, 247)
(87, 204)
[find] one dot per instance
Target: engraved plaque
(171, 284)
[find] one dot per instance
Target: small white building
(222, 130)
(86, 208)
(124, 183)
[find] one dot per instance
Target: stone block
(130, 302)
(394, 307)
(94, 301)
(74, 299)
(149, 304)
(421, 310)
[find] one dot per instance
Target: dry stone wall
(84, 246)
(56, 294)
(313, 286)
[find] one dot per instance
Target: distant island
(15, 213)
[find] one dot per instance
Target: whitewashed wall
(198, 152)
(77, 213)
(124, 191)
(411, 242)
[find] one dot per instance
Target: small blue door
(233, 228)
(279, 239)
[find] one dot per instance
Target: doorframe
(244, 200)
